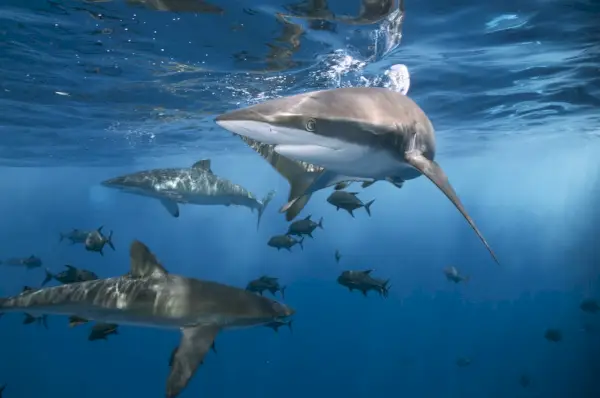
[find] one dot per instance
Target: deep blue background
(515, 103)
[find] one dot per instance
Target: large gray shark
(150, 296)
(353, 133)
(196, 185)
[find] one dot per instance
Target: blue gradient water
(94, 89)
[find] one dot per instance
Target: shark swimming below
(148, 295)
(196, 185)
(348, 134)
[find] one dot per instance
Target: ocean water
(90, 90)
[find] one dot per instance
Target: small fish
(95, 241)
(338, 256)
(524, 380)
(27, 262)
(275, 325)
(363, 281)
(285, 242)
(70, 275)
(453, 275)
(463, 362)
(553, 335)
(75, 235)
(342, 185)
(75, 320)
(100, 331)
(42, 319)
(266, 283)
(304, 227)
(349, 202)
(590, 305)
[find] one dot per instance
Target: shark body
(348, 134)
(150, 296)
(196, 185)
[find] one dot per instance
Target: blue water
(90, 90)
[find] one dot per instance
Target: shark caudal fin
(299, 175)
(263, 205)
(48, 277)
(434, 172)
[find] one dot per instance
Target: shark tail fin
(368, 207)
(109, 241)
(48, 277)
(320, 224)
(386, 288)
(28, 319)
(263, 205)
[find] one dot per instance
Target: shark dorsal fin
(143, 263)
(367, 271)
(203, 164)
(308, 217)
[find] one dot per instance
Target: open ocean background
(90, 90)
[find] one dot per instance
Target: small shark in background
(148, 295)
(195, 185)
(363, 281)
(348, 134)
(453, 275)
(27, 262)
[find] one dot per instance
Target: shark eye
(311, 125)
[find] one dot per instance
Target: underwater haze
(94, 90)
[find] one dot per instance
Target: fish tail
(320, 224)
(48, 277)
(28, 318)
(368, 207)
(263, 205)
(300, 243)
(109, 241)
(386, 288)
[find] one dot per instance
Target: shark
(195, 185)
(349, 134)
(148, 295)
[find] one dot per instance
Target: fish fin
(300, 175)
(144, 262)
(310, 235)
(308, 217)
(367, 184)
(47, 279)
(28, 318)
(70, 267)
(368, 207)
(300, 242)
(435, 173)
(320, 224)
(203, 164)
(195, 343)
(44, 321)
(364, 292)
(318, 181)
(99, 229)
(101, 252)
(272, 290)
(171, 206)
(290, 325)
(351, 212)
(367, 271)
(263, 205)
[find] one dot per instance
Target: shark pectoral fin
(143, 263)
(203, 164)
(195, 343)
(435, 173)
(171, 207)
